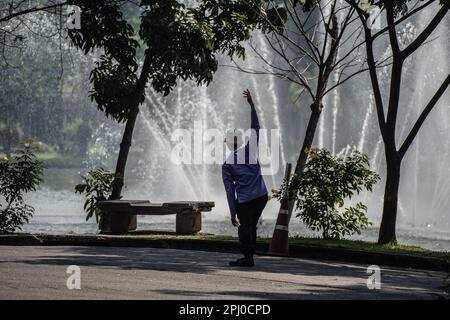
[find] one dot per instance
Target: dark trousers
(248, 214)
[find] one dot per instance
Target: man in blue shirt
(245, 187)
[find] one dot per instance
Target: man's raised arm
(254, 125)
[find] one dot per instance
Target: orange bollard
(279, 246)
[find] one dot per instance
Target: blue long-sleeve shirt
(241, 172)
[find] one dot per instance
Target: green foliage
(182, 42)
(14, 217)
(326, 182)
(307, 4)
(401, 7)
(97, 186)
(18, 175)
(113, 78)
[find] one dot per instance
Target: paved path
(145, 273)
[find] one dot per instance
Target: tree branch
(427, 31)
(426, 111)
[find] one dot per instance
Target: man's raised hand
(248, 96)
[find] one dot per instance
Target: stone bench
(120, 216)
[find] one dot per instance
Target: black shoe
(243, 262)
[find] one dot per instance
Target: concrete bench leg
(118, 222)
(189, 222)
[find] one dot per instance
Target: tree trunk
(123, 154)
(309, 137)
(389, 219)
(316, 109)
(128, 132)
(388, 125)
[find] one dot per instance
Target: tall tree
(178, 42)
(396, 12)
(316, 47)
(309, 42)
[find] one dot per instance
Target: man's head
(233, 139)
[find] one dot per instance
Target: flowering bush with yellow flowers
(320, 193)
(19, 174)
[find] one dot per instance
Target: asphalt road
(146, 273)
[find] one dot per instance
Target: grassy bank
(371, 247)
(53, 159)
(300, 241)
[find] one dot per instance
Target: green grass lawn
(371, 247)
(346, 244)
(49, 156)
(54, 159)
(52, 155)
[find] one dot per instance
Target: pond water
(59, 210)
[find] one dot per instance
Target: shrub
(18, 175)
(323, 187)
(97, 186)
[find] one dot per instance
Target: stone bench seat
(119, 216)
